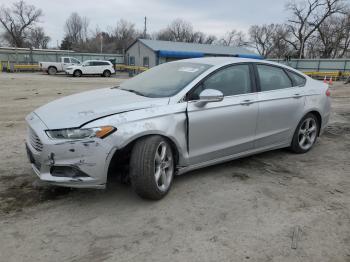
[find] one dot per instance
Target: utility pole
(145, 28)
(101, 39)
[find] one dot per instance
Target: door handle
(246, 102)
(297, 96)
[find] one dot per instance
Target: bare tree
(270, 40)
(306, 18)
(182, 31)
(262, 38)
(124, 34)
(234, 38)
(334, 36)
(17, 22)
(38, 38)
(177, 31)
(76, 29)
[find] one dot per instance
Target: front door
(221, 129)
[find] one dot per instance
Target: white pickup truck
(53, 67)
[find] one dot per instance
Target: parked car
(91, 67)
(54, 67)
(174, 118)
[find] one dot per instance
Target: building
(33, 56)
(148, 53)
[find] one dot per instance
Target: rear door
(281, 106)
(221, 129)
(99, 67)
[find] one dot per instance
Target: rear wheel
(152, 167)
(77, 73)
(305, 135)
(52, 70)
(106, 73)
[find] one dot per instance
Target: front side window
(273, 78)
(233, 80)
(164, 80)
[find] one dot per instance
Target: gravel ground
(276, 206)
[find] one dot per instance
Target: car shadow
(26, 191)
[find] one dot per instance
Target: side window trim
(252, 80)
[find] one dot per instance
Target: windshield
(164, 80)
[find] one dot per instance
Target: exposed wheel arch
(319, 118)
(118, 165)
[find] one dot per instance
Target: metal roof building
(148, 53)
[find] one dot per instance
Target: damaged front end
(68, 157)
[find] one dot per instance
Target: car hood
(76, 110)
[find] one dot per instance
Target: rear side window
(66, 60)
(298, 80)
(273, 78)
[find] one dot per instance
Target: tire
(77, 73)
(52, 70)
(106, 73)
(151, 168)
(305, 135)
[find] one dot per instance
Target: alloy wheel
(163, 166)
(307, 133)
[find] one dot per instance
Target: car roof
(222, 61)
(96, 61)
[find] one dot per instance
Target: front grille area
(34, 140)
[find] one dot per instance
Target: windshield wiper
(133, 91)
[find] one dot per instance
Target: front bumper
(86, 160)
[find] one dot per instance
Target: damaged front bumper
(71, 163)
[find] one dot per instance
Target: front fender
(168, 121)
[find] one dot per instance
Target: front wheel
(305, 135)
(77, 73)
(152, 167)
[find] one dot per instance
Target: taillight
(328, 93)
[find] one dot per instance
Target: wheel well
(319, 119)
(119, 164)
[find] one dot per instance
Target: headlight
(80, 133)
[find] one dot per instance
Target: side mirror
(210, 95)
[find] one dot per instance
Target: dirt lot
(275, 206)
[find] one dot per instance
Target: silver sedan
(174, 118)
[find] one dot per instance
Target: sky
(212, 17)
